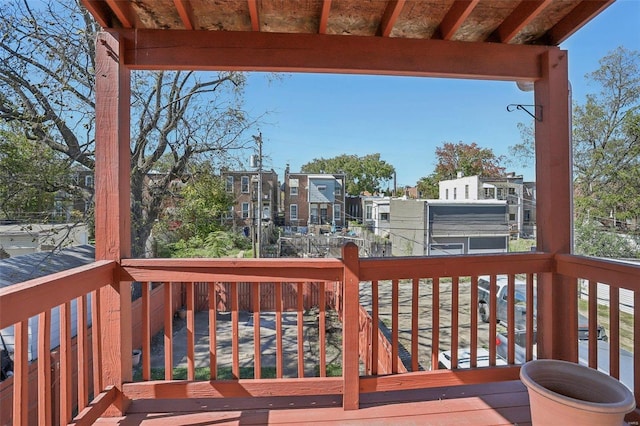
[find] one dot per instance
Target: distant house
(20, 239)
(313, 199)
(441, 227)
(377, 214)
(519, 195)
(249, 205)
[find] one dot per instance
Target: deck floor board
(502, 403)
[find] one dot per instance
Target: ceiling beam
(391, 13)
(122, 10)
(518, 19)
(185, 12)
(259, 51)
(100, 12)
(324, 17)
(579, 16)
(458, 12)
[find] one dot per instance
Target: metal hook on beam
(538, 110)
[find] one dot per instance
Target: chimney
(460, 174)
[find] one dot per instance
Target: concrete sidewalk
(246, 342)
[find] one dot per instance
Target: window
(384, 217)
(293, 212)
(455, 193)
(229, 184)
(338, 189)
(88, 181)
(230, 213)
(489, 193)
(337, 212)
(368, 212)
(245, 184)
(322, 187)
(293, 186)
(512, 217)
(500, 193)
(446, 194)
(512, 191)
(527, 215)
(466, 192)
(245, 210)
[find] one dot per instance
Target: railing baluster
(636, 345)
(300, 331)
(415, 305)
(191, 332)
(44, 368)
(455, 294)
(493, 315)
(614, 325)
(279, 354)
(322, 329)
(146, 331)
(529, 315)
(257, 365)
(21, 373)
(235, 343)
(511, 323)
(593, 324)
(435, 321)
(213, 316)
(83, 365)
(96, 342)
(66, 364)
(168, 331)
(394, 326)
(375, 326)
(474, 322)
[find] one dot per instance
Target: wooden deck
(500, 403)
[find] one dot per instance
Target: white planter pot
(135, 359)
(563, 393)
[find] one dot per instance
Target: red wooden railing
(398, 288)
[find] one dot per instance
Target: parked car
(464, 359)
(520, 306)
(626, 358)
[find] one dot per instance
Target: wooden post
(557, 295)
(350, 326)
(113, 217)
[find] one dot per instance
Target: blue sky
(406, 118)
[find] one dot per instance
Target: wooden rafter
(390, 17)
(519, 18)
(579, 16)
(124, 16)
(99, 10)
(253, 12)
(185, 12)
(324, 17)
(459, 11)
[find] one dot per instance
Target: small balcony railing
(396, 317)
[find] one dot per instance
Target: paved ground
(290, 344)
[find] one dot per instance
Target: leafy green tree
(470, 159)
(30, 176)
(202, 205)
(606, 140)
(47, 81)
(363, 174)
(592, 239)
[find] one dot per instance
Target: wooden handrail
(30, 298)
(620, 274)
(231, 270)
(390, 268)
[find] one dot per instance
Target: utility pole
(258, 252)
